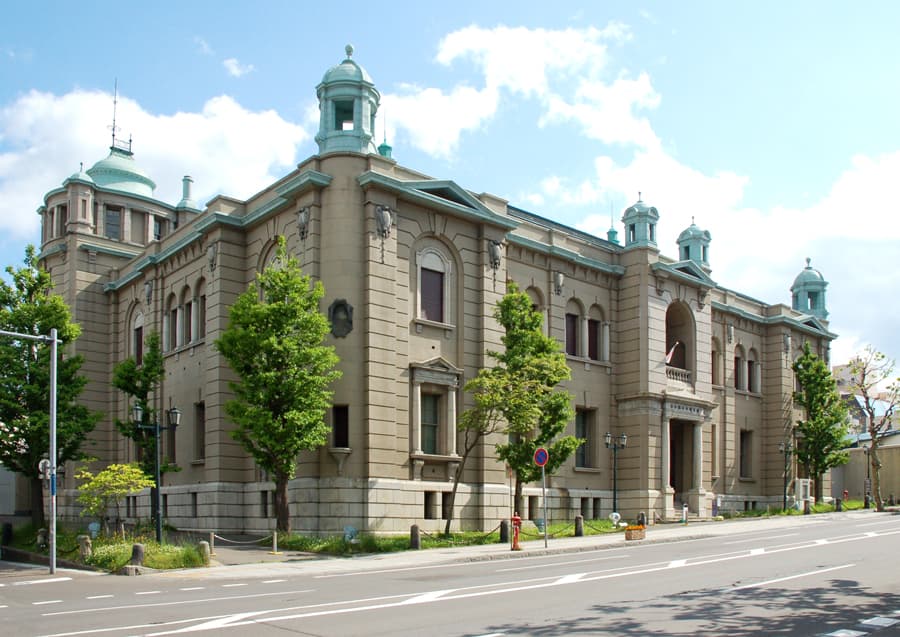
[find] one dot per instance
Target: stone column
(583, 338)
(666, 451)
(451, 421)
(417, 417)
(697, 480)
(604, 342)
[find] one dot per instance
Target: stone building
(697, 376)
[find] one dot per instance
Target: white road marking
(233, 585)
(42, 581)
(192, 588)
(677, 563)
(789, 577)
(428, 597)
(760, 539)
(98, 596)
(49, 601)
(147, 593)
(537, 566)
(570, 579)
(273, 581)
(757, 551)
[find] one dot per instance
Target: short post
(838, 505)
(137, 555)
(579, 526)
(212, 543)
(275, 543)
(504, 531)
(203, 547)
(684, 513)
(415, 541)
(84, 546)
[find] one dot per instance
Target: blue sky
(773, 125)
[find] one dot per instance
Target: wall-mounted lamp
(494, 254)
(148, 291)
(303, 222)
(559, 280)
(787, 343)
(729, 331)
(383, 221)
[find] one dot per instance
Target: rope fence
(213, 537)
(441, 536)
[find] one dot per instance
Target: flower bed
(635, 532)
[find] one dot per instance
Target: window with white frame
(740, 374)
(753, 372)
(572, 334)
(137, 338)
(583, 429)
(746, 460)
(431, 404)
(434, 396)
(433, 286)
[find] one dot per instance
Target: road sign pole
(544, 498)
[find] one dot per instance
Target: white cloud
(235, 68)
(224, 147)
(203, 45)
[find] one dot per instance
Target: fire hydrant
(517, 524)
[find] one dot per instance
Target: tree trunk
(37, 503)
(817, 489)
(876, 477)
(282, 513)
(518, 503)
(453, 498)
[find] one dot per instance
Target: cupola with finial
(348, 102)
(640, 225)
(808, 292)
(693, 245)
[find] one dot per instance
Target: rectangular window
(340, 426)
(593, 340)
(113, 223)
(173, 328)
(432, 295)
(572, 334)
(430, 505)
(138, 232)
(165, 505)
(713, 452)
(195, 509)
(201, 318)
(738, 373)
(139, 345)
(63, 220)
(751, 377)
(714, 368)
(430, 422)
(582, 430)
(157, 228)
(187, 320)
(746, 454)
(264, 504)
(200, 431)
(343, 115)
(446, 513)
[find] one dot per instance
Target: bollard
(806, 507)
(684, 513)
(84, 547)
(137, 555)
(838, 505)
(415, 542)
(275, 543)
(504, 531)
(579, 526)
(212, 543)
(642, 519)
(203, 547)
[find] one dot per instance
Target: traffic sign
(541, 456)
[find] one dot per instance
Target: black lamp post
(787, 449)
(615, 444)
(173, 417)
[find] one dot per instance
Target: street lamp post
(173, 416)
(787, 449)
(615, 444)
(866, 498)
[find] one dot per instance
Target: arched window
(753, 372)
(200, 298)
(740, 374)
(187, 317)
(575, 345)
(597, 335)
(137, 337)
(715, 362)
(433, 283)
(170, 324)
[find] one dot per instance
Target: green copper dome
(808, 275)
(118, 171)
(808, 292)
(693, 232)
(79, 176)
(346, 71)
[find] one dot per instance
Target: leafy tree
(275, 345)
(872, 371)
(823, 433)
(525, 388)
(28, 306)
(108, 487)
(139, 381)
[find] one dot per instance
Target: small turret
(693, 245)
(640, 225)
(808, 292)
(348, 102)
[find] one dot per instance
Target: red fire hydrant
(517, 524)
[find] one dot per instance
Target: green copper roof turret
(348, 102)
(640, 225)
(693, 245)
(808, 292)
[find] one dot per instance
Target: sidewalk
(247, 561)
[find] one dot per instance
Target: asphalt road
(830, 574)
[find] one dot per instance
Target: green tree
(823, 432)
(108, 487)
(873, 379)
(28, 306)
(275, 344)
(525, 390)
(138, 382)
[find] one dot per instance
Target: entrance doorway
(681, 459)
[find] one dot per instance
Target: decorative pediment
(437, 371)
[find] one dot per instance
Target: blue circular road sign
(541, 456)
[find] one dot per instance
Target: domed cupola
(348, 102)
(808, 292)
(118, 171)
(80, 176)
(693, 245)
(640, 225)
